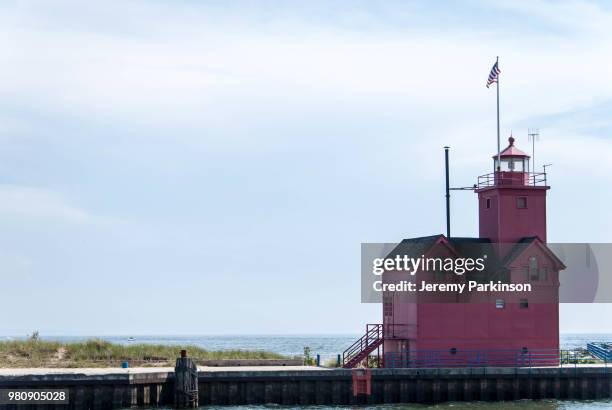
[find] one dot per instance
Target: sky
(184, 167)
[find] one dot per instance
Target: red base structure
(362, 382)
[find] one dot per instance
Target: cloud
(38, 203)
(226, 72)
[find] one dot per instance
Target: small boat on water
(130, 339)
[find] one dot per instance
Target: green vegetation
(308, 359)
(35, 352)
(578, 356)
(331, 362)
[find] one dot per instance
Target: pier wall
(323, 387)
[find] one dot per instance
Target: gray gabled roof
(462, 246)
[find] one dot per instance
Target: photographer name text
(470, 286)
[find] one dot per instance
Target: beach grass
(100, 353)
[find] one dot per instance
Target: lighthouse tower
(511, 200)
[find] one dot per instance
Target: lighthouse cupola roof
(512, 151)
(512, 159)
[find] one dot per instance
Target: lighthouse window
(521, 202)
(544, 274)
(388, 309)
(388, 306)
(488, 203)
(500, 304)
(533, 268)
(524, 304)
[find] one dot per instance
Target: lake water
(515, 405)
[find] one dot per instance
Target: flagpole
(498, 139)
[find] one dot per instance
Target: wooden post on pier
(185, 382)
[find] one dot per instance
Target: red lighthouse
(475, 328)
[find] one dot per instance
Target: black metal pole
(447, 194)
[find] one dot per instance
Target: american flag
(493, 75)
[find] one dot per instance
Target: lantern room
(511, 167)
(512, 159)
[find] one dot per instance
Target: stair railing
(374, 333)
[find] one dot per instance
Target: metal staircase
(361, 349)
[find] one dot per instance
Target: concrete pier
(296, 385)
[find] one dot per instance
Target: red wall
(503, 222)
(476, 323)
